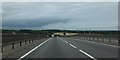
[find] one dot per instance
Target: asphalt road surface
(65, 47)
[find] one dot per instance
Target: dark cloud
(18, 24)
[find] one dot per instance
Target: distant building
(13, 32)
(64, 34)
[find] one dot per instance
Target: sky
(60, 0)
(60, 15)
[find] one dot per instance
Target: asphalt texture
(66, 47)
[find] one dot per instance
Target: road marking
(72, 46)
(87, 54)
(33, 49)
(82, 51)
(66, 42)
(62, 40)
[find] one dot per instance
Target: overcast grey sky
(70, 16)
(60, 0)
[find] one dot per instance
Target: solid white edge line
(33, 49)
(87, 54)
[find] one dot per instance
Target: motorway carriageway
(66, 47)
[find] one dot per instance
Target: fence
(17, 44)
(102, 40)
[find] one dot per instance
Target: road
(65, 47)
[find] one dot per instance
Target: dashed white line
(62, 40)
(66, 42)
(87, 54)
(72, 46)
(90, 56)
(33, 50)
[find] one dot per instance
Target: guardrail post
(29, 41)
(118, 42)
(109, 40)
(89, 38)
(1, 48)
(25, 42)
(20, 43)
(13, 45)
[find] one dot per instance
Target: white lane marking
(87, 54)
(96, 42)
(33, 49)
(62, 40)
(83, 52)
(72, 46)
(66, 42)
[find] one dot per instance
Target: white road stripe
(33, 50)
(66, 42)
(62, 40)
(82, 52)
(87, 54)
(72, 46)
